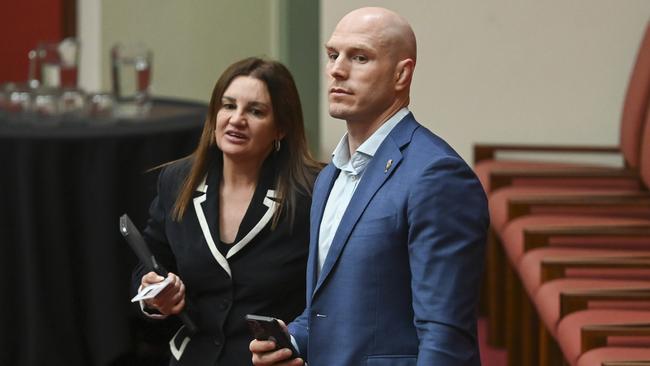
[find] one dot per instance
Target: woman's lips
(236, 136)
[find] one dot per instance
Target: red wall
(23, 23)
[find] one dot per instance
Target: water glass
(131, 78)
(54, 64)
(45, 106)
(16, 101)
(100, 106)
(72, 103)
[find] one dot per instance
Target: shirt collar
(356, 163)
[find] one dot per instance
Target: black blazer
(262, 273)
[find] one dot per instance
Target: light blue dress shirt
(352, 168)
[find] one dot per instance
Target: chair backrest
(644, 165)
(636, 102)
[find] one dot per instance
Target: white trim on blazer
(178, 352)
(221, 260)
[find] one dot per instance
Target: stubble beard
(339, 110)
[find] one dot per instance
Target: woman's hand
(171, 300)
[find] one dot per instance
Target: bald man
(398, 220)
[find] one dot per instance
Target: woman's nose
(238, 116)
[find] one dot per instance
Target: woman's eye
(257, 112)
(228, 106)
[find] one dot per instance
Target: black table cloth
(64, 290)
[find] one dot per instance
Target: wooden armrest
(488, 151)
(576, 300)
(626, 363)
(553, 268)
(594, 336)
(540, 236)
(521, 206)
(504, 177)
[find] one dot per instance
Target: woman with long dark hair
(231, 221)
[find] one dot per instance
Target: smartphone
(266, 328)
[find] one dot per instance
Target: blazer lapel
(321, 192)
(206, 206)
(259, 213)
(260, 210)
(383, 164)
(270, 205)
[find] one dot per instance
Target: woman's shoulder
(173, 174)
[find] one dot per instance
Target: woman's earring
(276, 143)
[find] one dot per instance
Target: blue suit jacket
(400, 283)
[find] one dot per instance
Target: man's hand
(169, 301)
(264, 353)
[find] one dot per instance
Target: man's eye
(360, 58)
(332, 56)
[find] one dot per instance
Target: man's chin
(339, 113)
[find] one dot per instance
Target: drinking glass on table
(100, 106)
(54, 64)
(45, 109)
(131, 78)
(15, 101)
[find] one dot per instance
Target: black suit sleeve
(154, 233)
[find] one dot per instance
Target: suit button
(224, 304)
(217, 343)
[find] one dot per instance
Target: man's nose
(338, 68)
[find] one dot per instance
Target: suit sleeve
(299, 330)
(448, 220)
(154, 235)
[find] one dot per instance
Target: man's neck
(360, 131)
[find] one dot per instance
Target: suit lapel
(259, 213)
(260, 210)
(383, 164)
(206, 206)
(262, 215)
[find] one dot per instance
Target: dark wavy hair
(297, 168)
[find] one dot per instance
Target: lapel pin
(388, 164)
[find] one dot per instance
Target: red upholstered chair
(541, 183)
(555, 299)
(539, 266)
(513, 202)
(604, 269)
(615, 221)
(568, 212)
(535, 177)
(615, 356)
(577, 309)
(626, 328)
(536, 231)
(626, 363)
(632, 117)
(575, 204)
(578, 232)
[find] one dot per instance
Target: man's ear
(404, 73)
